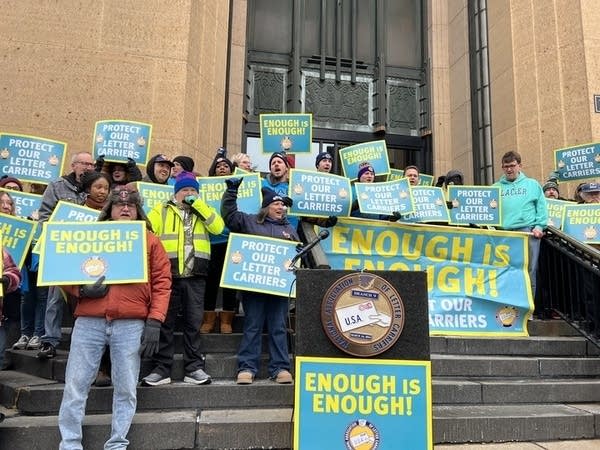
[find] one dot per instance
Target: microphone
(323, 234)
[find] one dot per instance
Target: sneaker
(21, 344)
(47, 351)
(245, 377)
(34, 343)
(155, 379)
(197, 377)
(283, 377)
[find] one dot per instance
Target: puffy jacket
(65, 188)
(135, 300)
(167, 223)
(240, 222)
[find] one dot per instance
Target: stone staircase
(544, 387)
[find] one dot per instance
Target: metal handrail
(568, 283)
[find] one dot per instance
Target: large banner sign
(344, 403)
(259, 264)
(17, 234)
(118, 140)
(556, 210)
(474, 204)
(248, 200)
(384, 198)
(153, 194)
(373, 152)
(291, 133)
(81, 252)
(317, 194)
(582, 222)
(478, 280)
(32, 159)
(578, 162)
(430, 205)
(26, 204)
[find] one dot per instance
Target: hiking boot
(21, 344)
(197, 377)
(245, 377)
(283, 377)
(208, 322)
(47, 351)
(34, 343)
(155, 379)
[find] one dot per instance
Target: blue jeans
(90, 337)
(33, 308)
(258, 309)
(53, 318)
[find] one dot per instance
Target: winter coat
(12, 274)
(65, 188)
(134, 300)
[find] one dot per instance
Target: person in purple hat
(183, 224)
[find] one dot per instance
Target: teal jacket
(523, 203)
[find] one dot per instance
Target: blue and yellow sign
(32, 159)
(424, 179)
(479, 205)
(345, 403)
(578, 162)
(477, 279)
(17, 234)
(154, 194)
(248, 199)
(373, 152)
(26, 204)
(118, 140)
(291, 133)
(384, 198)
(317, 194)
(259, 264)
(71, 212)
(582, 222)
(81, 252)
(430, 205)
(556, 210)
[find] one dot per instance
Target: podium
(311, 338)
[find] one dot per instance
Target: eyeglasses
(510, 166)
(123, 205)
(87, 164)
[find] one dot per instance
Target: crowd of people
(187, 242)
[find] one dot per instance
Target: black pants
(187, 297)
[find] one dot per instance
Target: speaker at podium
(374, 314)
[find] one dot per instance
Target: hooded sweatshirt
(523, 203)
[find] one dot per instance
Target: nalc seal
(362, 314)
(361, 435)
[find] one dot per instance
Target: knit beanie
(550, 185)
(280, 155)
(321, 156)
(363, 168)
(455, 177)
(185, 179)
(269, 196)
(186, 162)
(213, 168)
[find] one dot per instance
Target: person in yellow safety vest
(183, 224)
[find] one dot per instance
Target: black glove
(96, 290)
(222, 151)
(99, 163)
(131, 164)
(299, 247)
(395, 217)
(5, 283)
(449, 205)
(440, 181)
(233, 184)
(150, 338)
(330, 221)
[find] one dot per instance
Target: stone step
(149, 431)
(522, 423)
(513, 366)
(510, 391)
